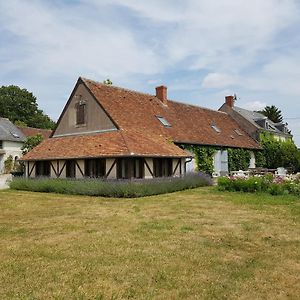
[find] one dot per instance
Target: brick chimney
(161, 94)
(229, 100)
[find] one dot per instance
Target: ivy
(204, 157)
(238, 159)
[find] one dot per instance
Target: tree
(20, 105)
(279, 153)
(31, 142)
(273, 113)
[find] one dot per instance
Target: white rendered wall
(10, 148)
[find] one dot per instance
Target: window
(95, 167)
(15, 135)
(1, 144)
(70, 169)
(163, 121)
(130, 168)
(215, 128)
(42, 168)
(80, 113)
(238, 132)
(162, 167)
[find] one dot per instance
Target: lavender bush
(112, 188)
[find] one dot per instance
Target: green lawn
(196, 244)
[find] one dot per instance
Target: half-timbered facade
(115, 133)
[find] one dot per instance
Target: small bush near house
(116, 188)
(267, 183)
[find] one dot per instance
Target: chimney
(229, 100)
(161, 94)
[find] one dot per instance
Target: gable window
(95, 167)
(42, 168)
(163, 121)
(80, 113)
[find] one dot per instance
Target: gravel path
(3, 181)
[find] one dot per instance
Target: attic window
(271, 127)
(238, 132)
(215, 128)
(163, 121)
(80, 112)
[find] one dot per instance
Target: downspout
(186, 162)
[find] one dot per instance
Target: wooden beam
(149, 169)
(64, 165)
(53, 169)
(179, 160)
(77, 164)
(32, 169)
(110, 169)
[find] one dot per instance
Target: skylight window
(15, 135)
(271, 127)
(238, 132)
(163, 121)
(215, 128)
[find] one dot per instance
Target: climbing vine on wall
(203, 157)
(238, 159)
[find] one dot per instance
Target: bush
(267, 183)
(111, 188)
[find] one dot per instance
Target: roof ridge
(151, 95)
(198, 106)
(118, 87)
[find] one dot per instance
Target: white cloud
(51, 43)
(255, 105)
(218, 80)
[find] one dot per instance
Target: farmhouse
(255, 123)
(111, 132)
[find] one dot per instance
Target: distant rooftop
(10, 132)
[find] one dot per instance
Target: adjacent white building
(11, 141)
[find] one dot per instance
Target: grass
(195, 244)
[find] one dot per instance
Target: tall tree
(18, 104)
(273, 113)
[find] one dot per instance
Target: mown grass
(195, 244)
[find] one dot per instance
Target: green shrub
(116, 188)
(265, 183)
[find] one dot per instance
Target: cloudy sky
(201, 49)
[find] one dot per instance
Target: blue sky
(202, 50)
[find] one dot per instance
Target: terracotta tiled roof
(30, 131)
(108, 144)
(141, 133)
(190, 124)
